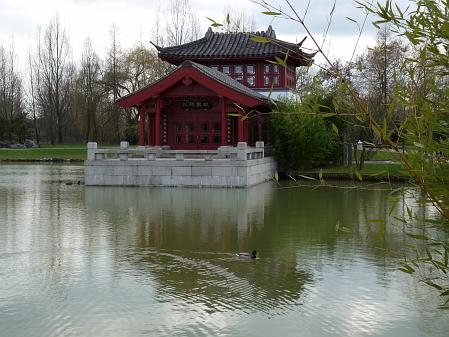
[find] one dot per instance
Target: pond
(93, 261)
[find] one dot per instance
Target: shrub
(301, 140)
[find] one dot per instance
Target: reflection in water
(187, 239)
(115, 261)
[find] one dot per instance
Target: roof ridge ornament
(270, 33)
(209, 32)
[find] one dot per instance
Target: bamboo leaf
(328, 114)
(320, 174)
(345, 229)
(280, 61)
(418, 145)
(406, 268)
(335, 128)
(358, 175)
(272, 13)
(306, 177)
(259, 39)
(434, 285)
(377, 220)
(409, 211)
(445, 293)
(417, 236)
(230, 114)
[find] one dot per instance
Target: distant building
(218, 78)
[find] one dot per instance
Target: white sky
(21, 19)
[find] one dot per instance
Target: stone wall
(240, 166)
(167, 172)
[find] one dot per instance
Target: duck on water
(251, 255)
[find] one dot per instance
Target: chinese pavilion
(218, 78)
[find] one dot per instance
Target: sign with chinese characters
(192, 104)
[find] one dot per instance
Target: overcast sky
(21, 19)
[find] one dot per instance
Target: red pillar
(240, 129)
(150, 131)
(246, 133)
(224, 124)
(142, 126)
(157, 125)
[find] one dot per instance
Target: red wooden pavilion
(217, 78)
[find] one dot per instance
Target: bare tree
(113, 78)
(11, 107)
(32, 94)
(182, 24)
(55, 74)
(235, 21)
(88, 91)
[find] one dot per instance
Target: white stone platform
(226, 167)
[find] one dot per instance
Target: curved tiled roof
(213, 74)
(234, 45)
(225, 80)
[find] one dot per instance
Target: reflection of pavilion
(184, 240)
(191, 208)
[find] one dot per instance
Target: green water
(91, 261)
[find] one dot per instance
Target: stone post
(242, 150)
(91, 147)
(123, 154)
(260, 145)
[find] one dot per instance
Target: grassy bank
(370, 171)
(59, 152)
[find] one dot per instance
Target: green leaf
(418, 145)
(272, 13)
(434, 285)
(445, 293)
(409, 211)
(351, 19)
(375, 174)
(400, 219)
(345, 229)
(335, 128)
(260, 39)
(276, 176)
(306, 177)
(358, 175)
(417, 236)
(320, 174)
(230, 114)
(377, 220)
(328, 114)
(214, 23)
(280, 61)
(406, 268)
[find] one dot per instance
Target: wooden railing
(241, 152)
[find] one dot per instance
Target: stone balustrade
(228, 166)
(240, 153)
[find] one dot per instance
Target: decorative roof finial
(209, 32)
(270, 32)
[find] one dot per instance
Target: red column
(142, 126)
(224, 124)
(157, 125)
(150, 136)
(240, 129)
(246, 133)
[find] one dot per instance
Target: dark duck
(251, 255)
